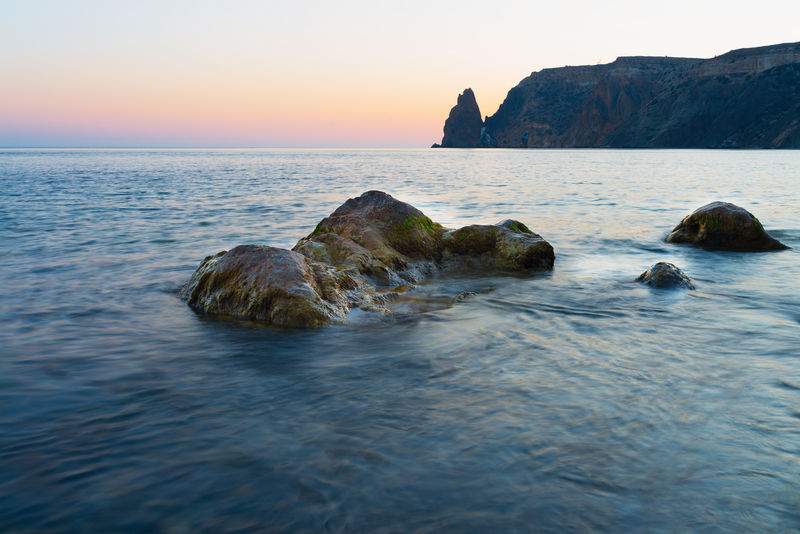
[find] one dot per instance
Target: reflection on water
(570, 401)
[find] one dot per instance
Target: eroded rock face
(665, 275)
(724, 226)
(363, 255)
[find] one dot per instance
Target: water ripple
(572, 401)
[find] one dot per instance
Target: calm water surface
(575, 401)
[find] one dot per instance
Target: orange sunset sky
(317, 74)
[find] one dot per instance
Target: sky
(275, 73)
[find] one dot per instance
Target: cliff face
(738, 110)
(462, 129)
(745, 98)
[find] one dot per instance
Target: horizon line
(211, 147)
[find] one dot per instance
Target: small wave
(788, 385)
(50, 269)
(539, 307)
(650, 247)
(785, 233)
(90, 312)
(173, 288)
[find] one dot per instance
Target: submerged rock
(665, 275)
(724, 226)
(366, 253)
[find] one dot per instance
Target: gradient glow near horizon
(315, 73)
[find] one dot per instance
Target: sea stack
(462, 129)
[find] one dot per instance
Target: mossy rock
(724, 226)
(514, 226)
(385, 226)
(357, 257)
(509, 245)
(472, 240)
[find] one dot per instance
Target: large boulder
(393, 231)
(666, 276)
(364, 254)
(267, 284)
(724, 226)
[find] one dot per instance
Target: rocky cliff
(462, 129)
(748, 98)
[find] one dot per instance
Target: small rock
(665, 275)
(724, 226)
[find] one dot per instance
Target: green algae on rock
(376, 236)
(508, 245)
(724, 226)
(367, 252)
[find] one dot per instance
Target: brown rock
(392, 230)
(724, 226)
(267, 284)
(508, 245)
(666, 276)
(369, 251)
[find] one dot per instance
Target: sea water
(573, 400)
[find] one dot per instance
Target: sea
(576, 400)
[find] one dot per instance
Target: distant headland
(746, 98)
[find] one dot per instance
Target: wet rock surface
(665, 275)
(369, 251)
(374, 226)
(267, 284)
(724, 226)
(508, 245)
